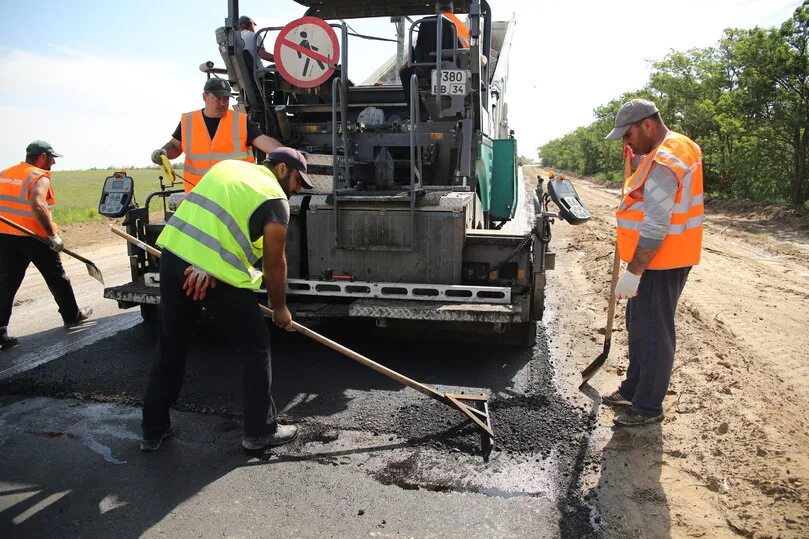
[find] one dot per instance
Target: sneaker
(634, 419)
(7, 342)
(283, 435)
(154, 445)
(84, 314)
(616, 399)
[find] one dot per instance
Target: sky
(105, 82)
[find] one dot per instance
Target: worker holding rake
(236, 215)
(659, 236)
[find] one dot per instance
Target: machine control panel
(564, 195)
(117, 195)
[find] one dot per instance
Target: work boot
(84, 314)
(616, 399)
(154, 445)
(283, 435)
(633, 419)
(7, 342)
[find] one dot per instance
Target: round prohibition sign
(306, 52)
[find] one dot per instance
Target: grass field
(78, 192)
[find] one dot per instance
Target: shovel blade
(597, 363)
(95, 273)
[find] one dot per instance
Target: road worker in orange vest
(214, 134)
(659, 236)
(26, 198)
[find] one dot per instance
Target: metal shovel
(598, 362)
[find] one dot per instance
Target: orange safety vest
(461, 29)
(201, 153)
(15, 202)
(683, 244)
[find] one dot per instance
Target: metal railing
(439, 53)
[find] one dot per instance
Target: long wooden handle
(616, 263)
(359, 358)
(43, 240)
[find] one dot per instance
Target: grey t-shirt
(271, 211)
(659, 191)
(251, 44)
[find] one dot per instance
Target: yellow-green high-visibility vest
(211, 226)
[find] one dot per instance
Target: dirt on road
(732, 455)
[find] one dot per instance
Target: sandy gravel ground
(732, 456)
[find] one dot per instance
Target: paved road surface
(372, 458)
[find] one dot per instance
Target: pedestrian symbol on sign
(306, 45)
(306, 52)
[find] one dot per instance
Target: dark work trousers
(235, 312)
(16, 253)
(652, 338)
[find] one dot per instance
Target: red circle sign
(306, 52)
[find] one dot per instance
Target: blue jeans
(652, 338)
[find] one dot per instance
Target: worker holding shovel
(659, 236)
(237, 214)
(26, 199)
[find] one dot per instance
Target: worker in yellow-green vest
(235, 216)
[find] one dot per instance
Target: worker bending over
(213, 134)
(660, 236)
(236, 215)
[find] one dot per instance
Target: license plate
(453, 82)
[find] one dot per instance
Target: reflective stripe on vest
(202, 152)
(461, 30)
(15, 203)
(683, 243)
(211, 227)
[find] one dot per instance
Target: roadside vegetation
(745, 101)
(79, 191)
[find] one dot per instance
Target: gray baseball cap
(244, 20)
(292, 158)
(39, 147)
(631, 112)
(217, 87)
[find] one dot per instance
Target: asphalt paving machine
(409, 222)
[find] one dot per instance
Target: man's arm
(659, 192)
(39, 205)
(262, 52)
(275, 272)
(265, 144)
(173, 148)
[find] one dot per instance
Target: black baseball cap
(244, 20)
(39, 147)
(292, 158)
(217, 87)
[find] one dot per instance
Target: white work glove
(197, 282)
(56, 243)
(156, 156)
(627, 285)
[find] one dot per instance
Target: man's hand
(282, 318)
(628, 154)
(627, 286)
(197, 282)
(56, 243)
(156, 156)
